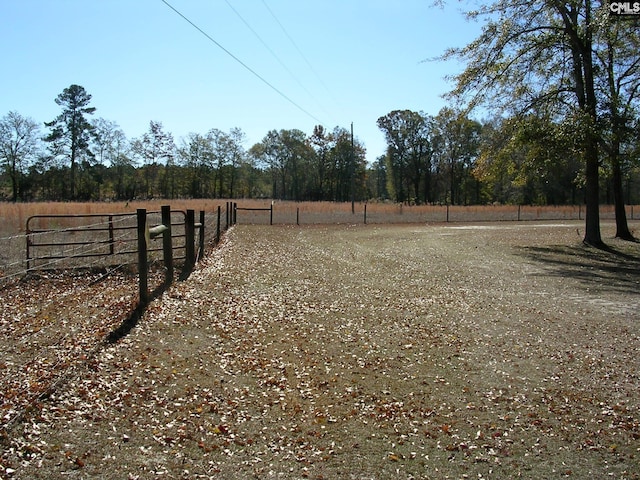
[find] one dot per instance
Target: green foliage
(409, 154)
(325, 166)
(456, 141)
(430, 159)
(560, 60)
(530, 161)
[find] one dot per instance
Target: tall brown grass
(13, 216)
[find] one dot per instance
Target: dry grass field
(13, 216)
(485, 350)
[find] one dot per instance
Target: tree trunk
(622, 228)
(73, 173)
(13, 173)
(592, 197)
(581, 44)
(592, 225)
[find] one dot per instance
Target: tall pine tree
(71, 132)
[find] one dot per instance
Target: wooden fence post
(218, 225)
(365, 213)
(189, 240)
(167, 246)
(271, 214)
(201, 238)
(143, 266)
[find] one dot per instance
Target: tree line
(448, 158)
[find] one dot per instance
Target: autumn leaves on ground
(447, 351)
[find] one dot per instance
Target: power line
(273, 53)
(260, 77)
(296, 47)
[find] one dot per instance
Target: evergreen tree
(71, 131)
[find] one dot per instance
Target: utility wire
(296, 47)
(275, 55)
(260, 77)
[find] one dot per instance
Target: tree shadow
(615, 269)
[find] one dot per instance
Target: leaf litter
(354, 352)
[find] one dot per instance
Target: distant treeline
(448, 158)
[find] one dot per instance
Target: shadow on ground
(134, 317)
(614, 268)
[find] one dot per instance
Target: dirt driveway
(364, 352)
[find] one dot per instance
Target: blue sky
(336, 61)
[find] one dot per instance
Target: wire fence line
(59, 241)
(309, 213)
(59, 312)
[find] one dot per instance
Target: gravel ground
(498, 350)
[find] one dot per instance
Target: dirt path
(446, 351)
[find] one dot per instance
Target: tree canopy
(18, 146)
(558, 60)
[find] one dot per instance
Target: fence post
(298, 216)
(111, 244)
(189, 240)
(218, 225)
(143, 266)
(235, 213)
(271, 214)
(167, 247)
(365, 213)
(28, 232)
(201, 238)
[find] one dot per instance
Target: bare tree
(19, 143)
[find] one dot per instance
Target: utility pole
(353, 169)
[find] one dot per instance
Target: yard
(493, 350)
